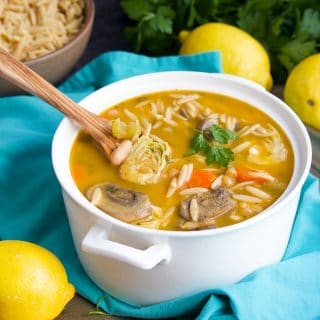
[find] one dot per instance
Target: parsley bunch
(206, 143)
(288, 29)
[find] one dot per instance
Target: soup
(200, 160)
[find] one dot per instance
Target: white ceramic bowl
(142, 266)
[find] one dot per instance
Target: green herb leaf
(153, 25)
(199, 142)
(135, 9)
(222, 135)
(296, 50)
(162, 20)
(288, 29)
(310, 23)
(212, 153)
(220, 155)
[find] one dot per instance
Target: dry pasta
(33, 28)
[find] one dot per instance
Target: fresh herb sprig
(220, 155)
(198, 143)
(288, 29)
(222, 135)
(206, 143)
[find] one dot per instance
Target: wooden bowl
(55, 65)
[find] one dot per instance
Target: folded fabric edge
(136, 64)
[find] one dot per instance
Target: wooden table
(78, 309)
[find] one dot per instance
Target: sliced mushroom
(211, 204)
(123, 204)
(207, 123)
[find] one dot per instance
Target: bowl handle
(96, 242)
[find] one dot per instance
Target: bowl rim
(89, 13)
(80, 199)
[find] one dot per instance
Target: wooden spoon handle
(22, 76)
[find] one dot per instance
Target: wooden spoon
(99, 128)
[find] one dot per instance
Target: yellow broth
(90, 167)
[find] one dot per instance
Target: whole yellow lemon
(242, 55)
(302, 90)
(33, 282)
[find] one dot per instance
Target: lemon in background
(302, 90)
(33, 282)
(242, 55)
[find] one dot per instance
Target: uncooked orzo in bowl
(32, 28)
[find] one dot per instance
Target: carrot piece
(201, 178)
(243, 175)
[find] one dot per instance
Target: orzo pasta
(33, 28)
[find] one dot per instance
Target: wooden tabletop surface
(78, 309)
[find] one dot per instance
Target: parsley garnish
(198, 143)
(222, 135)
(207, 145)
(219, 155)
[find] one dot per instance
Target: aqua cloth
(32, 208)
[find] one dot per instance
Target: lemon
(302, 90)
(33, 282)
(242, 55)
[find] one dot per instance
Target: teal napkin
(32, 208)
